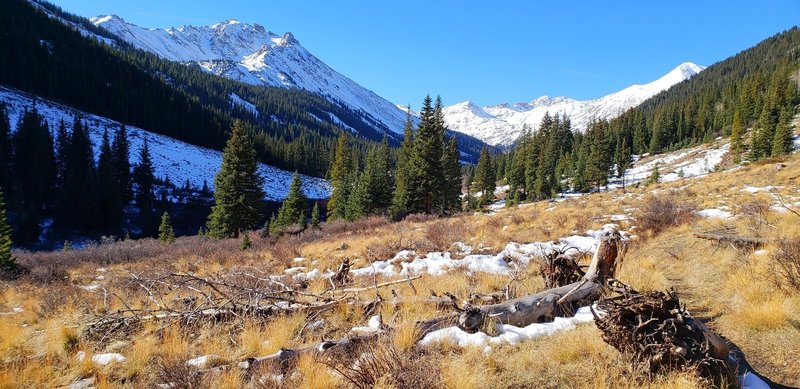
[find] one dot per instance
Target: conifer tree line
(425, 176)
(57, 178)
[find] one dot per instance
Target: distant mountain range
(250, 53)
(502, 124)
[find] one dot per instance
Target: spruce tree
(381, 184)
(8, 264)
(238, 186)
(339, 172)
(34, 162)
(122, 165)
(484, 180)
(166, 233)
(360, 200)
(292, 209)
(246, 242)
(736, 137)
(399, 207)
(5, 151)
(655, 176)
(62, 148)
(78, 198)
(110, 193)
(623, 160)
(451, 182)
(782, 142)
(315, 215)
(425, 170)
(598, 162)
(144, 178)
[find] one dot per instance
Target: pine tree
(35, 171)
(238, 188)
(5, 151)
(623, 160)
(8, 264)
(122, 165)
(110, 193)
(62, 148)
(598, 162)
(381, 184)
(339, 172)
(451, 182)
(427, 174)
(400, 199)
(736, 138)
(166, 233)
(292, 209)
(765, 133)
(655, 175)
(78, 198)
(782, 142)
(144, 178)
(641, 135)
(484, 181)
(246, 242)
(315, 215)
(360, 201)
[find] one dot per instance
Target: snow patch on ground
(202, 361)
(715, 213)
(107, 358)
(512, 257)
(508, 334)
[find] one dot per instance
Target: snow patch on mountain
(172, 158)
(250, 107)
(252, 54)
(502, 124)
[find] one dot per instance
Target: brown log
(536, 308)
(544, 306)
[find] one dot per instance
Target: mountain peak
(225, 23)
(287, 39)
(97, 20)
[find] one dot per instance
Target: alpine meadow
(192, 202)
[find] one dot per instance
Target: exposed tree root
(660, 336)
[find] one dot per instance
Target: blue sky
(488, 51)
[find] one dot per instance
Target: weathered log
(543, 306)
(736, 240)
(536, 308)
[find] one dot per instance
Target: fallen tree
(536, 308)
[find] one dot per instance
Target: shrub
(785, 265)
(369, 365)
(661, 212)
(443, 233)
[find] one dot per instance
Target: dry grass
(749, 297)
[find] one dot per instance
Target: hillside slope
(179, 161)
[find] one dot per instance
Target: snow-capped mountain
(172, 158)
(502, 124)
(252, 54)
